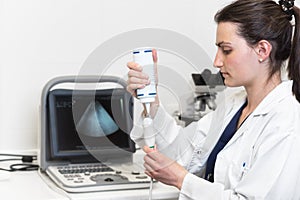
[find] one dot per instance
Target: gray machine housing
(44, 146)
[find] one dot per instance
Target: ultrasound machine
(84, 135)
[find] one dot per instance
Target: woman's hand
(163, 169)
(136, 78)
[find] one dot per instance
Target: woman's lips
(224, 74)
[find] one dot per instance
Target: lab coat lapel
(280, 92)
(217, 130)
(237, 103)
(239, 132)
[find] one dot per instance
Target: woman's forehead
(227, 33)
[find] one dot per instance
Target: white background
(42, 39)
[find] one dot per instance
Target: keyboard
(98, 177)
(86, 169)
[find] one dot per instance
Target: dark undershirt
(227, 134)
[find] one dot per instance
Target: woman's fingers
(135, 66)
(136, 78)
(163, 169)
(148, 168)
(154, 55)
(134, 83)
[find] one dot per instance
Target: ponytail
(294, 61)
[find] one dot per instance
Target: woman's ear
(263, 50)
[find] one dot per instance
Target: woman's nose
(218, 62)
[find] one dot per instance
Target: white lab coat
(261, 161)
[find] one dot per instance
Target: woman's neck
(257, 92)
(255, 95)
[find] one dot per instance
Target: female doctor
(249, 148)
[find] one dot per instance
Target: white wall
(41, 39)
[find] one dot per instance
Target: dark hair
(266, 20)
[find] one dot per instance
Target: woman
(249, 147)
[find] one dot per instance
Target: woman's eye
(226, 51)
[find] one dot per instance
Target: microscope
(207, 85)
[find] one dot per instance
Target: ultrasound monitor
(86, 125)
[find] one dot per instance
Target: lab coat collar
(280, 92)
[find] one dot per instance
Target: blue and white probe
(147, 95)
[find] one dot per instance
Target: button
(135, 173)
(76, 181)
(109, 180)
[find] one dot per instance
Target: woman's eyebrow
(221, 43)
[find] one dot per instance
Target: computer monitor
(89, 125)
